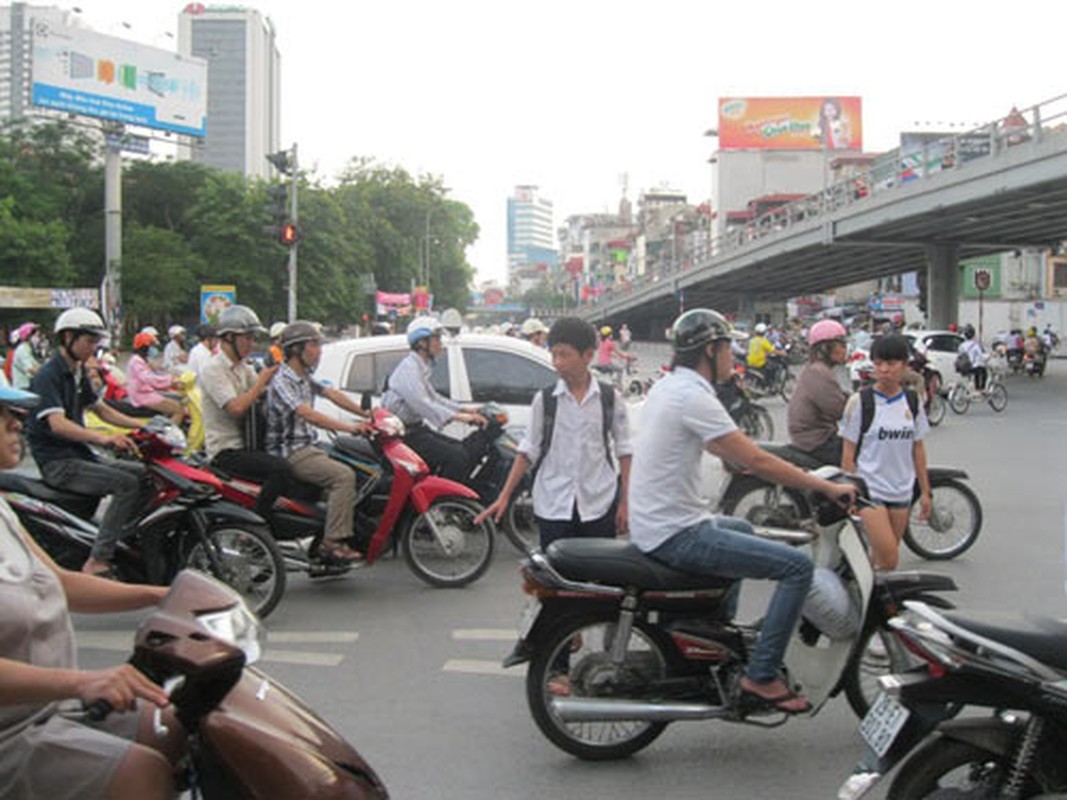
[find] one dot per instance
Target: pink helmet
(825, 330)
(26, 330)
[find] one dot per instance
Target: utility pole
(112, 302)
(285, 161)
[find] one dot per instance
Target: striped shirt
(287, 431)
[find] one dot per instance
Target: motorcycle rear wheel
(464, 550)
(578, 650)
(245, 558)
(943, 767)
(757, 424)
(762, 503)
(519, 524)
(954, 524)
(879, 653)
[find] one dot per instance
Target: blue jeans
(727, 548)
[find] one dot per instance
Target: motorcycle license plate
(529, 616)
(883, 722)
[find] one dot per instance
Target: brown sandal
(339, 551)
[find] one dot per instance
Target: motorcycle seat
(1042, 638)
(356, 446)
(33, 487)
(787, 452)
(619, 563)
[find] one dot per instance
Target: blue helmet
(18, 400)
(422, 328)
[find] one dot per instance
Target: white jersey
(886, 459)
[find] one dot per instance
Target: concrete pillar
(942, 284)
(746, 306)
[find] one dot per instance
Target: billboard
(213, 299)
(81, 72)
(790, 123)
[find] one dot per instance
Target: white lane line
(313, 637)
(478, 667)
(485, 634)
(301, 658)
(122, 642)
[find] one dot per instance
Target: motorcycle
(643, 645)
(775, 378)
(930, 391)
(1015, 667)
(247, 736)
(1035, 364)
(753, 419)
(952, 528)
(397, 500)
(185, 523)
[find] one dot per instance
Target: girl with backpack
(883, 430)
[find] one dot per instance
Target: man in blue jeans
(670, 521)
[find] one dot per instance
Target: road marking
(485, 634)
(480, 667)
(122, 642)
(301, 658)
(313, 637)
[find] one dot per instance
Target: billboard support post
(113, 236)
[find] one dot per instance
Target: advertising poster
(790, 123)
(213, 299)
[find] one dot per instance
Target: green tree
(158, 277)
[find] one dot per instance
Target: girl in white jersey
(892, 457)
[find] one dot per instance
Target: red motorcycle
(398, 501)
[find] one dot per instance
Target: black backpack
(548, 402)
(867, 410)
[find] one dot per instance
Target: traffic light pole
(294, 171)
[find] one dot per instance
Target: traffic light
(277, 208)
(281, 161)
(288, 234)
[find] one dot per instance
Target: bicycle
(963, 393)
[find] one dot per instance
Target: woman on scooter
(43, 752)
(818, 399)
(145, 384)
(892, 456)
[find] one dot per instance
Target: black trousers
(273, 473)
(444, 455)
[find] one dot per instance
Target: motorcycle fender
(223, 509)
(273, 745)
(425, 491)
(944, 473)
(990, 733)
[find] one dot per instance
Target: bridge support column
(746, 306)
(942, 284)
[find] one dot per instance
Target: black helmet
(239, 319)
(968, 331)
(299, 332)
(699, 327)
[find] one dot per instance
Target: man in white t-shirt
(669, 518)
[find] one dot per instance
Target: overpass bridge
(999, 188)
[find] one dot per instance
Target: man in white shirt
(669, 518)
(576, 492)
(204, 349)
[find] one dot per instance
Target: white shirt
(575, 471)
(974, 352)
(681, 415)
(172, 356)
(198, 357)
(886, 460)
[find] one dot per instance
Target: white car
(940, 349)
(474, 368)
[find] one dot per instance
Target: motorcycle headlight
(390, 425)
(238, 626)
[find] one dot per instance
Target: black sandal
(774, 702)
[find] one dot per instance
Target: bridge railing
(887, 172)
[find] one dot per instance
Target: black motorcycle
(953, 527)
(752, 418)
(774, 378)
(1015, 667)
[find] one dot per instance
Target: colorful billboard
(790, 123)
(213, 299)
(81, 72)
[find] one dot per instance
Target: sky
(572, 96)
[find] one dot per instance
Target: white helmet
(760, 329)
(84, 320)
(422, 328)
(150, 329)
(175, 330)
(533, 326)
(276, 329)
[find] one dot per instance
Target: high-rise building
(16, 52)
(531, 238)
(244, 83)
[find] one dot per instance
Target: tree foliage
(185, 224)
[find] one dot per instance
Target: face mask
(153, 352)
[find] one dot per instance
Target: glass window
(367, 371)
(505, 377)
(944, 342)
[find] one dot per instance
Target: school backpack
(548, 403)
(963, 364)
(867, 410)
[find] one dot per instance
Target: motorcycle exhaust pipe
(607, 710)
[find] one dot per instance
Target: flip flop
(776, 702)
(337, 551)
(559, 686)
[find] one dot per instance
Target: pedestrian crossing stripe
(485, 634)
(471, 666)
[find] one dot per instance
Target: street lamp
(713, 195)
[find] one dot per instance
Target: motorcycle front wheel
(943, 767)
(789, 383)
(575, 663)
(757, 424)
(879, 653)
(954, 524)
(763, 503)
(246, 559)
(936, 411)
(443, 546)
(519, 524)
